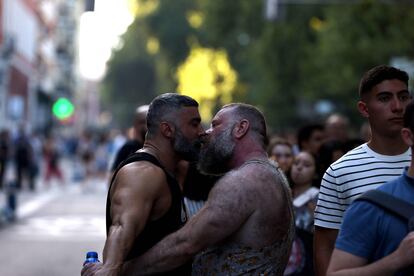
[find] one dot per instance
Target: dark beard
(185, 149)
(216, 154)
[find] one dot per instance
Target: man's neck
(240, 157)
(388, 145)
(163, 153)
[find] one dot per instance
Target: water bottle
(91, 257)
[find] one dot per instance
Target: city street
(55, 228)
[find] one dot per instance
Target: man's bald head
(140, 122)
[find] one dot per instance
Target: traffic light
(63, 108)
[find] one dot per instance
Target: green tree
(353, 39)
(140, 70)
(311, 52)
(130, 79)
(267, 55)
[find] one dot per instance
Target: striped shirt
(358, 171)
(193, 206)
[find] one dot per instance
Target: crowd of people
(35, 160)
(234, 200)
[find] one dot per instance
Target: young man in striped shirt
(384, 94)
(372, 240)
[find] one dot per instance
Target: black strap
(137, 156)
(391, 204)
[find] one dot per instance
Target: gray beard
(216, 154)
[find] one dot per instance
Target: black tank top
(156, 230)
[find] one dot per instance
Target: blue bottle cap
(92, 254)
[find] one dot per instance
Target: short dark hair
(379, 74)
(254, 116)
(164, 108)
(305, 132)
(409, 116)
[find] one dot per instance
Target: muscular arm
(323, 245)
(224, 213)
(132, 202)
(344, 263)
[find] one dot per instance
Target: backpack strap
(392, 204)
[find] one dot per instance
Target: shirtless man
(144, 201)
(246, 225)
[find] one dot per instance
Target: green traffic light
(63, 108)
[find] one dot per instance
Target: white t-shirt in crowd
(358, 171)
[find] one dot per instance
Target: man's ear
(241, 128)
(167, 129)
(363, 109)
(407, 136)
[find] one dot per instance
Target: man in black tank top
(246, 226)
(144, 201)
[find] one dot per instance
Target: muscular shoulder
(140, 176)
(260, 177)
(235, 180)
(249, 182)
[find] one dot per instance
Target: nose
(201, 130)
(298, 167)
(397, 105)
(203, 137)
(204, 134)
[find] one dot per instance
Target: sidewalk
(7, 202)
(26, 201)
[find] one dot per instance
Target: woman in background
(303, 174)
(281, 151)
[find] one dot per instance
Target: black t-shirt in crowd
(126, 150)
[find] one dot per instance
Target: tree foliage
(131, 76)
(311, 52)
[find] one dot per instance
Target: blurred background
(298, 60)
(72, 73)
